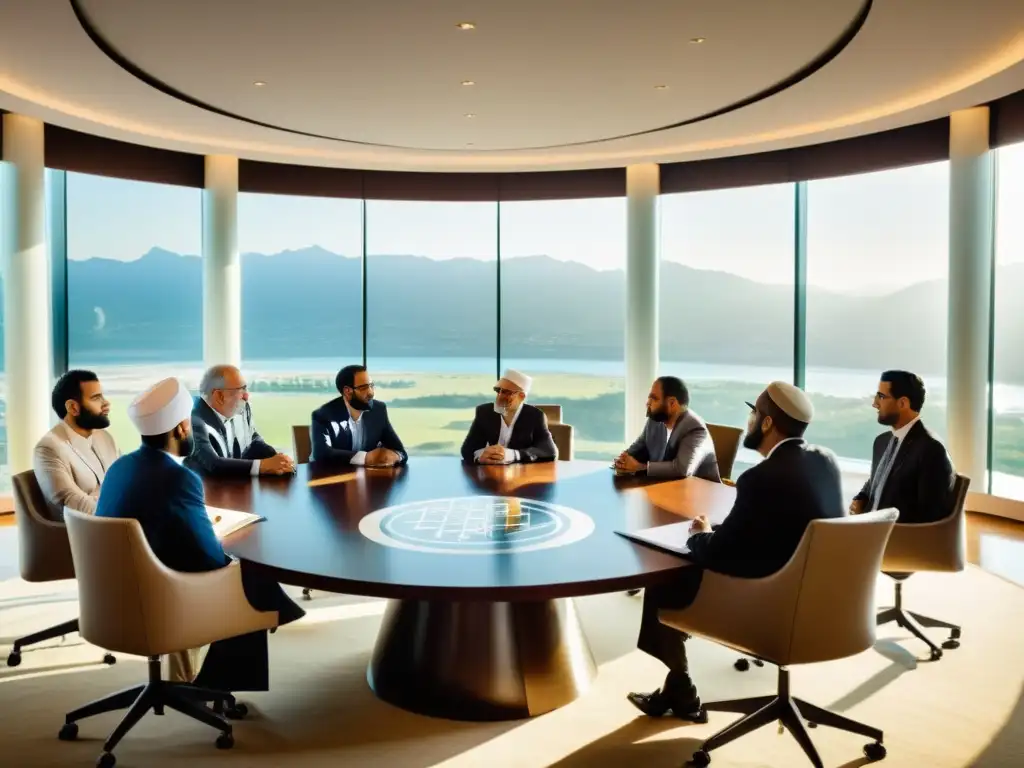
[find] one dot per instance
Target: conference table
(479, 563)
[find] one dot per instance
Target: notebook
(670, 538)
(228, 521)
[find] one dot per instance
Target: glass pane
(431, 279)
(135, 287)
(5, 470)
(302, 304)
(727, 274)
(1008, 394)
(878, 255)
(563, 309)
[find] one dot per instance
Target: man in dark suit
(508, 430)
(775, 501)
(152, 486)
(226, 440)
(675, 441)
(910, 469)
(355, 428)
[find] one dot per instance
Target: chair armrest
(198, 608)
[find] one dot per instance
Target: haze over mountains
(308, 303)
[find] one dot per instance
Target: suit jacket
(530, 435)
(332, 439)
(687, 451)
(212, 454)
(920, 483)
(775, 501)
(69, 472)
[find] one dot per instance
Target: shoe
(658, 704)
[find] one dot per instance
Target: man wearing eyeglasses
(226, 440)
(910, 469)
(355, 428)
(508, 430)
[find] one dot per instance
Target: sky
(868, 233)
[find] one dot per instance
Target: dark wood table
(480, 564)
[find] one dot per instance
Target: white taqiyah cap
(161, 408)
(521, 380)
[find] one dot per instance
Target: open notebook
(670, 538)
(227, 521)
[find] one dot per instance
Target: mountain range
(308, 303)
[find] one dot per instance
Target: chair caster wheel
(14, 659)
(951, 645)
(632, 592)
(226, 740)
(742, 665)
(236, 711)
(875, 751)
(811, 725)
(758, 663)
(935, 655)
(954, 634)
(68, 732)
(109, 659)
(701, 758)
(307, 594)
(107, 760)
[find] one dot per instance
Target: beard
(501, 410)
(888, 419)
(359, 404)
(186, 445)
(89, 420)
(754, 437)
(660, 415)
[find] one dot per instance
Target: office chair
(302, 443)
(727, 443)
(564, 439)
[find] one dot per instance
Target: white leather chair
(793, 617)
(939, 547)
(130, 602)
(44, 554)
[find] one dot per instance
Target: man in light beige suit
(71, 460)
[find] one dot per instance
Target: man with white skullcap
(775, 501)
(151, 485)
(508, 430)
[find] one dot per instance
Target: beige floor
(966, 710)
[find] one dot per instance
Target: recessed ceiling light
(466, 25)
(469, 82)
(697, 40)
(661, 87)
(259, 83)
(469, 143)
(470, 115)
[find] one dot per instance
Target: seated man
(355, 428)
(910, 469)
(509, 430)
(226, 440)
(775, 501)
(151, 485)
(675, 441)
(71, 460)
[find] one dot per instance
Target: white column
(222, 267)
(26, 274)
(971, 224)
(642, 264)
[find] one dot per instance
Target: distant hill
(308, 303)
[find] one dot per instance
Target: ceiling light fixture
(259, 83)
(465, 26)
(469, 82)
(661, 87)
(697, 40)
(470, 115)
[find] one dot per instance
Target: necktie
(236, 449)
(884, 467)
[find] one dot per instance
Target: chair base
(791, 713)
(916, 624)
(58, 630)
(307, 594)
(154, 695)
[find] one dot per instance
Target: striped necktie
(884, 468)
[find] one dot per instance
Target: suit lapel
(217, 428)
(905, 450)
(86, 456)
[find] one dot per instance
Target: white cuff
(255, 468)
(479, 452)
(511, 457)
(358, 458)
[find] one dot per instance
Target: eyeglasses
(243, 388)
(364, 387)
(506, 392)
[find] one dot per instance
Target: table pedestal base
(480, 660)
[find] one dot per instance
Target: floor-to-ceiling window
(726, 301)
(134, 286)
(302, 304)
(1008, 392)
(563, 311)
(431, 314)
(877, 260)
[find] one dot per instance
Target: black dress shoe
(658, 704)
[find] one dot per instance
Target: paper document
(670, 538)
(227, 521)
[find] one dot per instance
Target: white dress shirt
(899, 434)
(776, 446)
(504, 435)
(229, 427)
(355, 428)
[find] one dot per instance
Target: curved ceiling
(577, 83)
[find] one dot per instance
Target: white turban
(161, 408)
(521, 380)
